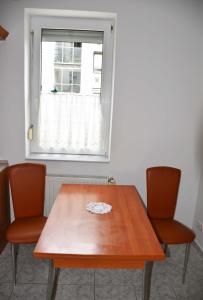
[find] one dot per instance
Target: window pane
(58, 44)
(58, 88)
(76, 77)
(58, 55)
(68, 45)
(77, 55)
(67, 55)
(77, 45)
(57, 75)
(76, 88)
(72, 119)
(66, 88)
(67, 77)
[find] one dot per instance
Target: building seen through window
(67, 67)
(71, 66)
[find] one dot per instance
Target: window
(71, 83)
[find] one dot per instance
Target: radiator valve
(111, 180)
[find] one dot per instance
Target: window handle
(30, 133)
(111, 180)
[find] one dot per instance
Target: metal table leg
(52, 281)
(147, 280)
(14, 253)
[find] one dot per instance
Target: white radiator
(53, 184)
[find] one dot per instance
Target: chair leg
(187, 253)
(166, 250)
(14, 252)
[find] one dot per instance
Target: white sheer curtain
(70, 123)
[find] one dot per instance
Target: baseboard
(197, 245)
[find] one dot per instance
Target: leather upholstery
(172, 232)
(162, 191)
(27, 183)
(26, 230)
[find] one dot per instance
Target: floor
(76, 284)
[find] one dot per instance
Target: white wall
(158, 103)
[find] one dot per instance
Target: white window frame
(86, 20)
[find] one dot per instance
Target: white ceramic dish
(98, 207)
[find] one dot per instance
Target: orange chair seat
(25, 230)
(172, 232)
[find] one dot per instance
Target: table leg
(147, 280)
(52, 280)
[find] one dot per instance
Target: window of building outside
(67, 66)
(71, 79)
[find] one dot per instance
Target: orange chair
(27, 183)
(162, 191)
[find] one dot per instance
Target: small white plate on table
(99, 207)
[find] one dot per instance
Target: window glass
(67, 76)
(76, 88)
(67, 55)
(76, 77)
(58, 88)
(57, 75)
(58, 54)
(77, 55)
(66, 88)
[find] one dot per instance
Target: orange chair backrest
(162, 191)
(27, 183)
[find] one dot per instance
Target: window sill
(64, 157)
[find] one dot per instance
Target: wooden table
(76, 238)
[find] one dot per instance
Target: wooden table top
(123, 234)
